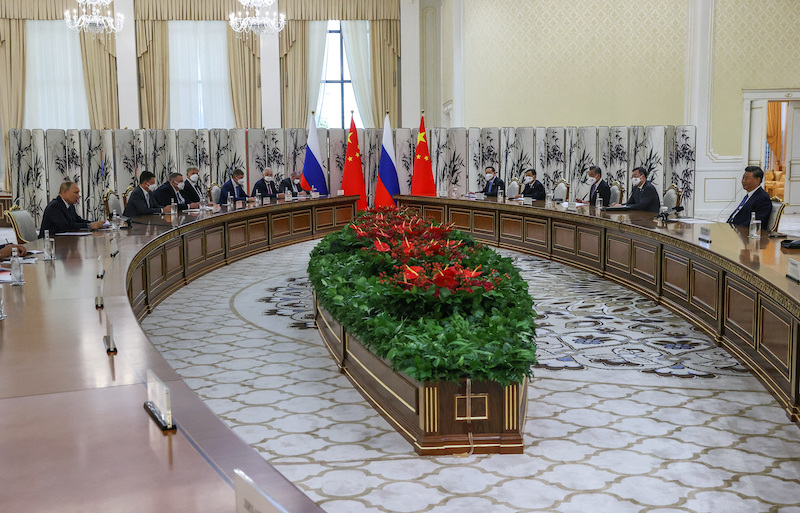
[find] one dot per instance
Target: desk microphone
(664, 215)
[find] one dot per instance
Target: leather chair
(112, 203)
(214, 192)
(561, 192)
(775, 217)
(672, 197)
(125, 195)
(512, 189)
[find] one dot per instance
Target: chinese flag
(353, 174)
(422, 177)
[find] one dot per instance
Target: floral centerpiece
(427, 298)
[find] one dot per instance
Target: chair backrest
(775, 215)
(214, 192)
(672, 197)
(616, 193)
(561, 192)
(112, 203)
(512, 189)
(22, 222)
(125, 195)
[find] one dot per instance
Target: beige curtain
(99, 57)
(244, 62)
(186, 10)
(36, 9)
(774, 132)
(12, 83)
(384, 18)
(384, 42)
(294, 73)
(152, 50)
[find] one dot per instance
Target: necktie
(490, 185)
(744, 200)
(147, 199)
(591, 191)
(179, 198)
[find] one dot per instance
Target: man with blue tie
(756, 200)
(600, 188)
(233, 187)
(493, 183)
(141, 202)
(171, 191)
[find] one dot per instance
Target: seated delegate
(755, 200)
(234, 188)
(643, 193)
(533, 188)
(172, 191)
(141, 202)
(60, 215)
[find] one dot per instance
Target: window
(336, 95)
(199, 80)
(55, 92)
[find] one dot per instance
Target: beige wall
(447, 51)
(756, 46)
(577, 62)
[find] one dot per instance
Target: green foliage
(482, 328)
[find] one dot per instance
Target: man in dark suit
(291, 184)
(756, 200)
(233, 187)
(599, 188)
(60, 215)
(192, 192)
(266, 186)
(141, 202)
(643, 193)
(532, 188)
(493, 183)
(172, 191)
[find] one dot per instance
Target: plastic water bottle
(230, 202)
(454, 192)
(17, 275)
(258, 197)
(114, 222)
(755, 226)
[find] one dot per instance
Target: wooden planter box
(437, 418)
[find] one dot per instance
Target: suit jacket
(759, 203)
(139, 205)
(266, 189)
(495, 185)
(533, 190)
(59, 219)
(288, 185)
(228, 189)
(644, 198)
(191, 192)
(165, 194)
(603, 190)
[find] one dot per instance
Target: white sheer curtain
(55, 92)
(356, 45)
(317, 36)
(199, 88)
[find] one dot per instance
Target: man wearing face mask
(493, 183)
(141, 201)
(533, 188)
(292, 184)
(266, 186)
(643, 194)
(171, 191)
(234, 187)
(192, 191)
(599, 187)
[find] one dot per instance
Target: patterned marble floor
(631, 409)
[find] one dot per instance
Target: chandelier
(261, 23)
(95, 23)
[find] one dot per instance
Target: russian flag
(388, 185)
(313, 175)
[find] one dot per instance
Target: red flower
(381, 246)
(412, 272)
(470, 273)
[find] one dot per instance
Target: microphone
(665, 215)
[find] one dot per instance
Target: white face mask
(591, 180)
(240, 181)
(194, 177)
(269, 178)
(181, 185)
(297, 181)
(489, 176)
(528, 179)
(636, 180)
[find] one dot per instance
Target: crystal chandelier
(95, 23)
(262, 23)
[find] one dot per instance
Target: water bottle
(230, 202)
(258, 197)
(17, 275)
(48, 251)
(755, 226)
(598, 204)
(114, 222)
(454, 192)
(173, 208)
(500, 196)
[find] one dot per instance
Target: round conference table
(74, 435)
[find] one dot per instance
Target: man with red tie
(266, 186)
